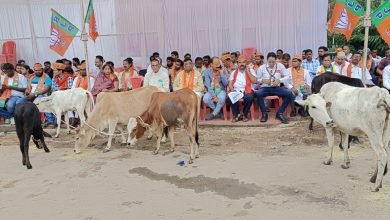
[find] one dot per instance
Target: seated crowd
(228, 79)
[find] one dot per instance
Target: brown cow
(171, 110)
(113, 108)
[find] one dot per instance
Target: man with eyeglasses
(310, 64)
(216, 81)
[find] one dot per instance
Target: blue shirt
(208, 79)
(35, 82)
(311, 66)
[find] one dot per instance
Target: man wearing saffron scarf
(61, 80)
(241, 80)
(12, 86)
(327, 66)
(298, 81)
(157, 78)
(124, 77)
(355, 71)
(340, 62)
(189, 78)
(270, 75)
(215, 81)
(38, 86)
(81, 81)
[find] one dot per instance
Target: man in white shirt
(13, 85)
(99, 61)
(341, 64)
(298, 81)
(327, 66)
(156, 77)
(386, 77)
(354, 70)
(162, 69)
(271, 74)
(347, 52)
(377, 59)
(241, 80)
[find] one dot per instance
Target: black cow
(28, 122)
(324, 78)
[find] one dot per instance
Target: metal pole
(367, 24)
(84, 38)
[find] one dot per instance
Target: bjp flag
(90, 19)
(345, 17)
(62, 33)
(381, 19)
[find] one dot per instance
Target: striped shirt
(311, 66)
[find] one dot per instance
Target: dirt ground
(243, 173)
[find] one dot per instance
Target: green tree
(356, 42)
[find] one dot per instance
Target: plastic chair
(136, 81)
(9, 47)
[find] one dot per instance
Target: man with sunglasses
(216, 81)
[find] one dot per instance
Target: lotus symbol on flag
(55, 38)
(342, 22)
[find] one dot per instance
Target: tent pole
(84, 38)
(367, 24)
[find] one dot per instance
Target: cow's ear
(301, 102)
(132, 124)
(328, 104)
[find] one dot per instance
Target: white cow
(61, 102)
(354, 111)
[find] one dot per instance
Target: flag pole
(84, 38)
(367, 24)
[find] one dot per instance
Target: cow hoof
(155, 152)
(105, 150)
(190, 161)
(375, 189)
(47, 150)
(197, 156)
(77, 151)
(328, 162)
(29, 167)
(345, 166)
(56, 136)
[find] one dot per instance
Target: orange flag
(91, 21)
(381, 19)
(345, 17)
(62, 33)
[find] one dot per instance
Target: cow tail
(197, 120)
(90, 103)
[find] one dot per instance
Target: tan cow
(175, 109)
(113, 108)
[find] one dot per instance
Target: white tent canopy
(137, 28)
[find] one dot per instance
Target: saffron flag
(91, 21)
(62, 33)
(345, 17)
(381, 19)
